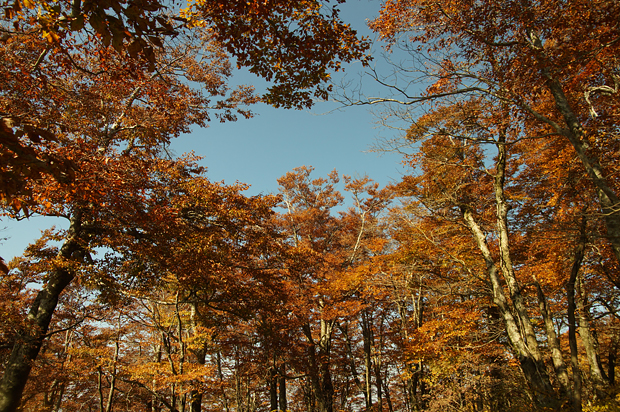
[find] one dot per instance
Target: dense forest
(487, 279)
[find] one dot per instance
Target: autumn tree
(486, 219)
(111, 118)
(92, 92)
(292, 44)
(560, 79)
(509, 102)
(172, 288)
(327, 261)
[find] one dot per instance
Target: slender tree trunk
(553, 341)
(379, 384)
(182, 398)
(110, 399)
(367, 336)
(221, 377)
(100, 387)
(53, 401)
(28, 343)
(200, 355)
(611, 359)
(388, 397)
(282, 388)
(411, 381)
(354, 373)
(238, 394)
(59, 396)
(572, 326)
(157, 360)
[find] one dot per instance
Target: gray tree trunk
(608, 199)
(518, 324)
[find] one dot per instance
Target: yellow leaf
(30, 4)
(50, 36)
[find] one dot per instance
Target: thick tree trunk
(518, 324)
(506, 266)
(325, 403)
(319, 354)
(533, 369)
(608, 200)
(588, 339)
(26, 348)
(195, 401)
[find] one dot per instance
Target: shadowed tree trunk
(29, 341)
(273, 389)
(282, 402)
(572, 325)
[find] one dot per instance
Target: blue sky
(258, 151)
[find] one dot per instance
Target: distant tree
(327, 261)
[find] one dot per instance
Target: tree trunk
(588, 339)
(282, 389)
(611, 363)
(574, 133)
(518, 324)
(379, 384)
(319, 363)
(528, 334)
(157, 359)
(552, 341)
(110, 399)
(367, 336)
(410, 382)
(572, 327)
(220, 374)
(273, 389)
(27, 346)
(388, 398)
(238, 395)
(354, 374)
(200, 354)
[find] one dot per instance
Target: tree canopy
(486, 278)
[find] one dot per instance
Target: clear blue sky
(260, 150)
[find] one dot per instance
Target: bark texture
(28, 344)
